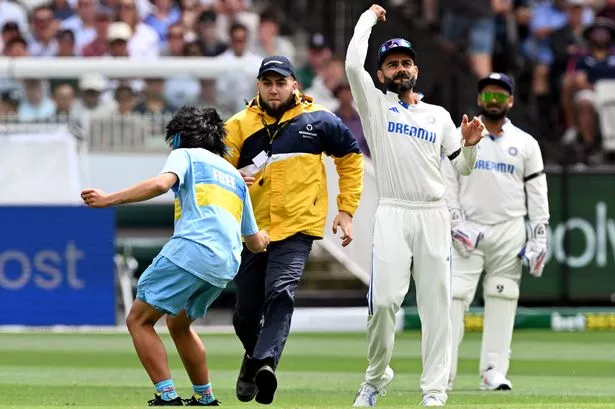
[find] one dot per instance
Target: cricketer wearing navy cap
(500, 79)
(278, 64)
(495, 96)
(402, 81)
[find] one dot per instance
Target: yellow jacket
(289, 195)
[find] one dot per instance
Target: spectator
(10, 30)
(237, 87)
(11, 11)
(183, 90)
(190, 11)
(66, 49)
(471, 21)
(268, 42)
(211, 45)
(61, 9)
(66, 43)
(42, 42)
(318, 55)
(231, 11)
(15, 48)
(548, 17)
(349, 115)
(126, 99)
(82, 23)
(64, 98)
(118, 35)
(9, 103)
(154, 101)
(35, 106)
(598, 64)
(164, 14)
(144, 42)
(322, 88)
(209, 97)
(193, 49)
(566, 43)
(91, 103)
(174, 46)
(99, 46)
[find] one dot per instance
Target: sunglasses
(396, 42)
(499, 97)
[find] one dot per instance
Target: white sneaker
(368, 393)
(431, 400)
(494, 380)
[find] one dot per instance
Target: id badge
(260, 159)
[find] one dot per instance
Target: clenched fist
(379, 12)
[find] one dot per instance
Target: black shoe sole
(266, 384)
(245, 397)
(503, 388)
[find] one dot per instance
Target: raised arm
(363, 90)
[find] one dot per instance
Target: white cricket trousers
(411, 239)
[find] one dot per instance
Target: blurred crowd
(557, 49)
(229, 30)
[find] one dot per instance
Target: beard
(278, 111)
(493, 113)
(406, 85)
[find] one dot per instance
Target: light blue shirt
(212, 211)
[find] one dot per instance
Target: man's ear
(380, 76)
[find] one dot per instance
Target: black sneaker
(158, 401)
(266, 384)
(245, 388)
(195, 400)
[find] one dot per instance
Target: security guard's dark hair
(197, 127)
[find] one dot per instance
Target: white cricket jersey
(506, 166)
(406, 141)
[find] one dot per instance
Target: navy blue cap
(278, 64)
(497, 78)
(395, 44)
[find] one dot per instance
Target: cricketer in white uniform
(508, 183)
(412, 234)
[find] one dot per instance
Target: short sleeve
(178, 163)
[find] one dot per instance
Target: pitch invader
(488, 210)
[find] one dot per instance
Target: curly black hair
(198, 127)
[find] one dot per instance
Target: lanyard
(271, 135)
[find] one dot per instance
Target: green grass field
(548, 371)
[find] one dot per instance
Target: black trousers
(266, 284)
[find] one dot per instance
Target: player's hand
(344, 221)
(379, 11)
(472, 131)
(265, 240)
(465, 237)
(95, 198)
(534, 253)
(247, 178)
(533, 256)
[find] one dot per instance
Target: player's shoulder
(316, 111)
(526, 141)
(522, 135)
(435, 109)
(310, 105)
